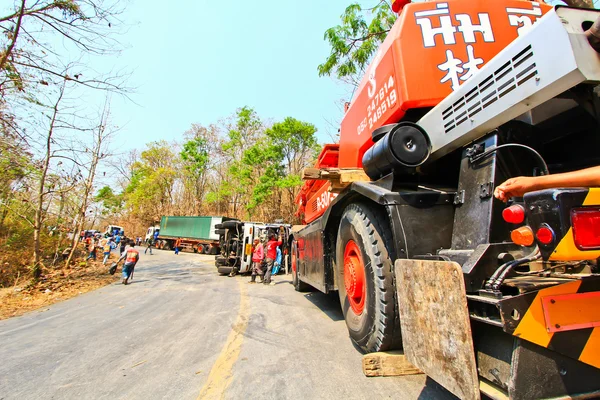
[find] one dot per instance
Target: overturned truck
(236, 239)
(484, 297)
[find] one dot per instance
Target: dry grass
(55, 285)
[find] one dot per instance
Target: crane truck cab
(484, 297)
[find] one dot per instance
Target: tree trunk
(101, 137)
(41, 193)
(58, 223)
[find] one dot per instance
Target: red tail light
(586, 227)
(544, 235)
(514, 214)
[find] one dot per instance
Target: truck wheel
(224, 270)
(205, 249)
(230, 224)
(299, 286)
(219, 261)
(166, 245)
(365, 278)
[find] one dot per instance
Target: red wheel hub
(354, 277)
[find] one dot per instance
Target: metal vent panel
(515, 72)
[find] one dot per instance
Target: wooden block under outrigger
(391, 363)
(339, 177)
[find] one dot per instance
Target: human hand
(514, 187)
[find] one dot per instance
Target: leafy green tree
(111, 202)
(150, 193)
(289, 146)
(237, 178)
(15, 165)
(355, 41)
(196, 155)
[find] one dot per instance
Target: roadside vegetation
(52, 138)
(60, 174)
(240, 167)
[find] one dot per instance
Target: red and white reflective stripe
(132, 255)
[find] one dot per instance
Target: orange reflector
(569, 312)
(522, 236)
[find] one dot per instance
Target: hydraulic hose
(538, 157)
(500, 274)
(500, 279)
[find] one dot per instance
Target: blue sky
(197, 61)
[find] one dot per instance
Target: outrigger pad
(436, 330)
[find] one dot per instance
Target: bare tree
(42, 191)
(98, 152)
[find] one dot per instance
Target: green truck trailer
(196, 234)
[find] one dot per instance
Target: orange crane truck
(483, 296)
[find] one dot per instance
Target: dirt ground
(55, 285)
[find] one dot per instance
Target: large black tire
(230, 224)
(166, 245)
(364, 242)
(299, 286)
(224, 270)
(213, 250)
(220, 260)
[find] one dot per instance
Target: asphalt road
(181, 331)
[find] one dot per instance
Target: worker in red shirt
(258, 254)
(272, 245)
(131, 256)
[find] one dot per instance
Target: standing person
(278, 259)
(177, 244)
(122, 247)
(131, 256)
(92, 250)
(150, 243)
(106, 251)
(272, 245)
(258, 253)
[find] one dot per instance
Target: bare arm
(517, 187)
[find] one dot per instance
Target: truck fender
(357, 191)
(363, 192)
